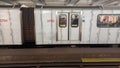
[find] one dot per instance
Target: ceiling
(33, 3)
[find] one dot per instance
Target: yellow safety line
(100, 59)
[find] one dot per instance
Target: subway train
(59, 26)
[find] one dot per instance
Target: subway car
(59, 26)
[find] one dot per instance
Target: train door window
(74, 20)
(62, 20)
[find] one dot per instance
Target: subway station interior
(59, 33)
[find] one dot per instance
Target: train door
(63, 26)
(74, 28)
(68, 26)
(28, 33)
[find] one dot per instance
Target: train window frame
(65, 23)
(72, 22)
(104, 25)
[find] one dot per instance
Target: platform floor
(38, 55)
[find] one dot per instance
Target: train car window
(74, 20)
(108, 20)
(62, 20)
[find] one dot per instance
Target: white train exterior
(10, 27)
(49, 30)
